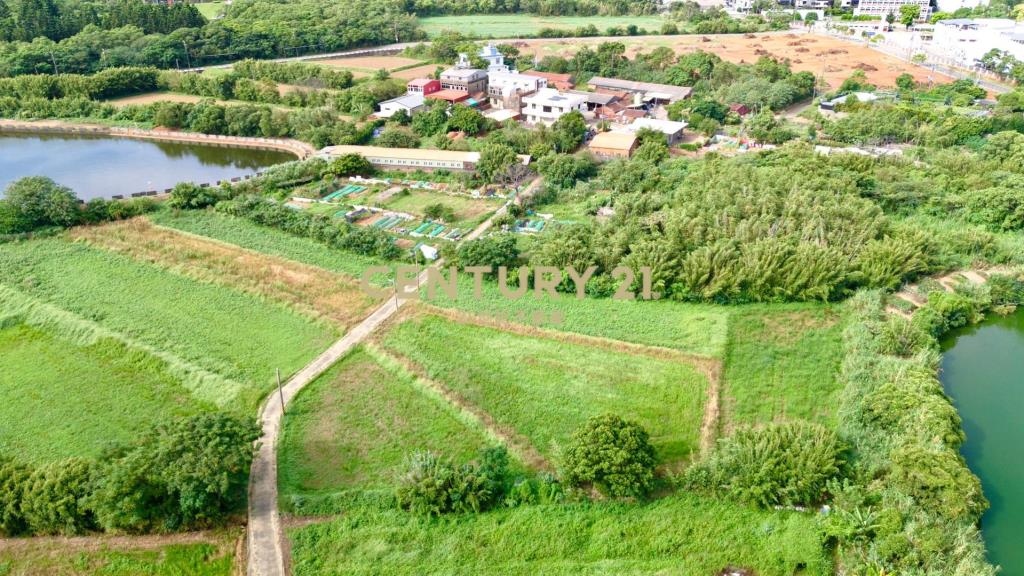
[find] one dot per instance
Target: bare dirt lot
(823, 55)
(151, 97)
(370, 62)
(417, 72)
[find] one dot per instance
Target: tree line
(186, 473)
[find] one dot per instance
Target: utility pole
(53, 59)
(188, 61)
(280, 394)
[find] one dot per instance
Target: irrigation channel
(108, 166)
(983, 371)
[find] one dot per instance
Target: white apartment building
(954, 5)
(881, 8)
(548, 105)
(966, 40)
(506, 89)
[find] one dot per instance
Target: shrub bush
(613, 455)
(780, 464)
(431, 485)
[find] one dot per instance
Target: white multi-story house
(506, 89)
(967, 40)
(548, 105)
(881, 8)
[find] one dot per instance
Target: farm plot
(351, 429)
(370, 63)
(468, 211)
(831, 57)
(512, 380)
(313, 291)
(698, 329)
(266, 240)
(64, 398)
(415, 72)
(678, 535)
(236, 336)
(782, 362)
(212, 553)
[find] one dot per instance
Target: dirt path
(267, 555)
(949, 282)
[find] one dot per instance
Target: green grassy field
(782, 362)
(682, 535)
(516, 25)
(213, 555)
(693, 328)
(353, 427)
(227, 333)
(546, 389)
(210, 10)
(264, 239)
(468, 211)
(92, 395)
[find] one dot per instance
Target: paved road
(265, 538)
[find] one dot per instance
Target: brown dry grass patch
(370, 62)
(310, 290)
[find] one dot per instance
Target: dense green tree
(568, 131)
(495, 160)
(13, 481)
(38, 201)
(189, 196)
(36, 18)
(908, 14)
(564, 170)
(351, 165)
(189, 472)
(394, 137)
(466, 119)
(495, 250)
(611, 454)
(54, 500)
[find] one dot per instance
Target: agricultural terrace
(509, 380)
(682, 534)
(825, 56)
(519, 25)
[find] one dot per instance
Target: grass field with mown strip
(209, 554)
(680, 535)
(468, 211)
(63, 399)
(545, 389)
(782, 363)
(516, 25)
(692, 328)
(352, 428)
(264, 239)
(235, 335)
(311, 290)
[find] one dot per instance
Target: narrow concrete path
(265, 537)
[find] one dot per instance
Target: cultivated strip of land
(313, 291)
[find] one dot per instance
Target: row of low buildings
(534, 97)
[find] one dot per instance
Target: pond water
(101, 166)
(983, 371)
